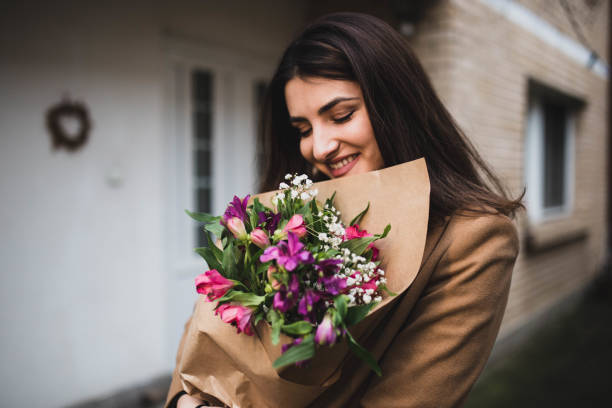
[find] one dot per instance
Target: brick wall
(480, 63)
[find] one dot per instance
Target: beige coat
(434, 345)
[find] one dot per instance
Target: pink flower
(369, 285)
(212, 284)
(296, 225)
(353, 232)
(260, 238)
(236, 227)
(326, 332)
(237, 315)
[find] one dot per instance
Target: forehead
(304, 96)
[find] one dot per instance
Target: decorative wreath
(59, 135)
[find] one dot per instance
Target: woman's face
(336, 135)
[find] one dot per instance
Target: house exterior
(95, 250)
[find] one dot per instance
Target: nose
(324, 145)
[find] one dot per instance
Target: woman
(348, 97)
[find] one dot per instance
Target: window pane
(202, 127)
(554, 155)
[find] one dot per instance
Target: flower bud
(273, 282)
(296, 225)
(236, 227)
(326, 332)
(260, 238)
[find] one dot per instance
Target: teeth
(343, 162)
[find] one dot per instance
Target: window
(549, 153)
(202, 142)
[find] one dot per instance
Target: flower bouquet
(296, 267)
(283, 239)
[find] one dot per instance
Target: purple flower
(270, 219)
(328, 267)
(333, 284)
(306, 306)
(326, 332)
(237, 208)
(288, 254)
(287, 297)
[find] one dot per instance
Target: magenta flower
(212, 284)
(296, 225)
(326, 332)
(288, 254)
(353, 232)
(333, 284)
(260, 238)
(327, 267)
(237, 208)
(307, 304)
(287, 297)
(270, 219)
(237, 315)
(236, 227)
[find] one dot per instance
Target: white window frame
(233, 164)
(534, 164)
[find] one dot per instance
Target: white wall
(86, 299)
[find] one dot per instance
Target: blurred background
(116, 116)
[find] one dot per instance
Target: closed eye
(344, 118)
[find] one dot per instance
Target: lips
(343, 166)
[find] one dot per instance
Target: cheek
(363, 135)
(306, 149)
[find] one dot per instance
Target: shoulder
(466, 231)
(474, 241)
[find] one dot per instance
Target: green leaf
(244, 298)
(355, 314)
(359, 216)
(363, 354)
(276, 329)
(215, 228)
(229, 261)
(254, 219)
(358, 245)
(203, 217)
(258, 318)
(258, 206)
(385, 232)
(216, 251)
(330, 200)
(386, 290)
(298, 328)
(340, 303)
(303, 351)
(209, 257)
(306, 213)
(313, 207)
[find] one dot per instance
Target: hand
(187, 401)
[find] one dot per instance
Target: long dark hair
(408, 118)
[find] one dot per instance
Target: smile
(341, 167)
(342, 162)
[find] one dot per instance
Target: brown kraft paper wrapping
(237, 369)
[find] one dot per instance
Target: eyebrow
(323, 108)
